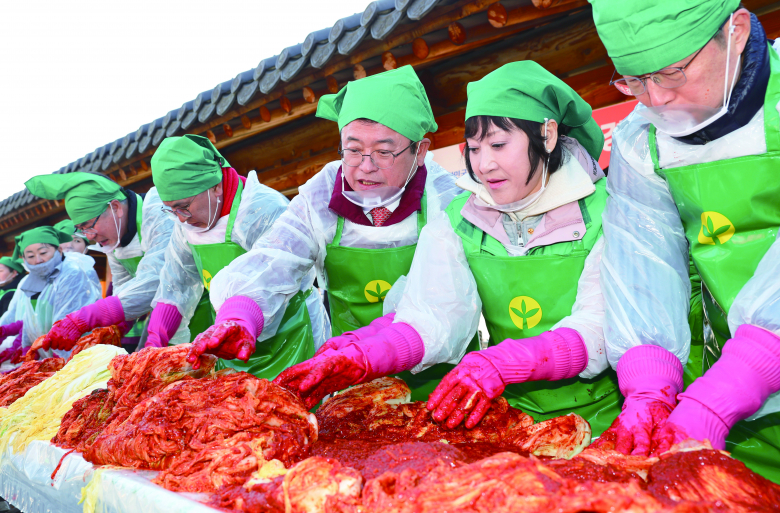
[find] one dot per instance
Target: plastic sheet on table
(25, 481)
(116, 491)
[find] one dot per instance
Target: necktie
(380, 215)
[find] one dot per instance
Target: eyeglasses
(176, 211)
(89, 232)
(668, 78)
(383, 159)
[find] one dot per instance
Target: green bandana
(643, 36)
(66, 226)
(86, 195)
(13, 264)
(186, 166)
(525, 90)
(394, 98)
(40, 235)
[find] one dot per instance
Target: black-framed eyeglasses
(176, 211)
(89, 232)
(668, 78)
(383, 159)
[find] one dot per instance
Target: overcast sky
(79, 74)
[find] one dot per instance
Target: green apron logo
(207, 280)
(376, 290)
(525, 312)
(715, 229)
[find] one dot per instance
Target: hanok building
(263, 119)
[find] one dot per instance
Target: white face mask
(531, 198)
(381, 196)
(682, 120)
(200, 229)
(117, 225)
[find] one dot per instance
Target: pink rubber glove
(65, 332)
(482, 375)
(363, 333)
(747, 372)
(394, 349)
(650, 377)
(233, 336)
(11, 329)
(12, 352)
(163, 323)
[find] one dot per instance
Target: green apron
(731, 213)
(293, 341)
(131, 266)
(524, 296)
(359, 279)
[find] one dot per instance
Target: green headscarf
(186, 166)
(12, 263)
(40, 235)
(525, 90)
(643, 36)
(66, 226)
(86, 195)
(394, 98)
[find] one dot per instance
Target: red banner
(608, 118)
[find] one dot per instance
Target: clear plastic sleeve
(644, 267)
(440, 299)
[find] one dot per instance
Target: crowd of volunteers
(646, 301)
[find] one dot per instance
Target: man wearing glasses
(129, 228)
(219, 215)
(691, 268)
(356, 223)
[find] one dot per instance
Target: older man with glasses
(219, 215)
(691, 267)
(130, 229)
(356, 223)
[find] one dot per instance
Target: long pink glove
(65, 332)
(393, 349)
(482, 375)
(363, 333)
(12, 352)
(163, 323)
(11, 329)
(650, 377)
(747, 372)
(233, 336)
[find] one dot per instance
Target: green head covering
(40, 235)
(186, 166)
(86, 195)
(525, 90)
(643, 36)
(394, 98)
(66, 226)
(12, 263)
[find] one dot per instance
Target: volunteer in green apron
(706, 166)
(219, 216)
(129, 228)
(54, 288)
(356, 222)
(11, 273)
(521, 245)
